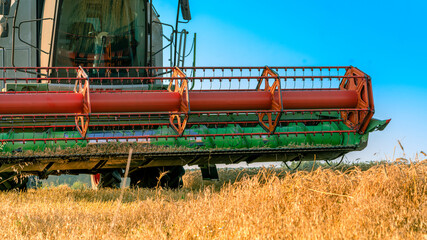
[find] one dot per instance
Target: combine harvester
(84, 82)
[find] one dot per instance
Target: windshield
(101, 33)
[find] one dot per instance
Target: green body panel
(229, 141)
(319, 139)
(296, 138)
(35, 146)
(164, 141)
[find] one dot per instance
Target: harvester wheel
(13, 181)
(149, 177)
(174, 179)
(106, 179)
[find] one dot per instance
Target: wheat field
(385, 201)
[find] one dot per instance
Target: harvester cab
(84, 81)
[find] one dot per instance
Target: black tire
(13, 181)
(109, 179)
(149, 177)
(175, 179)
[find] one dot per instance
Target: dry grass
(386, 201)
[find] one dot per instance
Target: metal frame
(178, 120)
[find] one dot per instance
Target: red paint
(169, 101)
(318, 99)
(41, 103)
(134, 102)
(229, 100)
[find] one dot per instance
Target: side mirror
(4, 7)
(4, 28)
(185, 9)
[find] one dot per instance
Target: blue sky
(385, 39)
